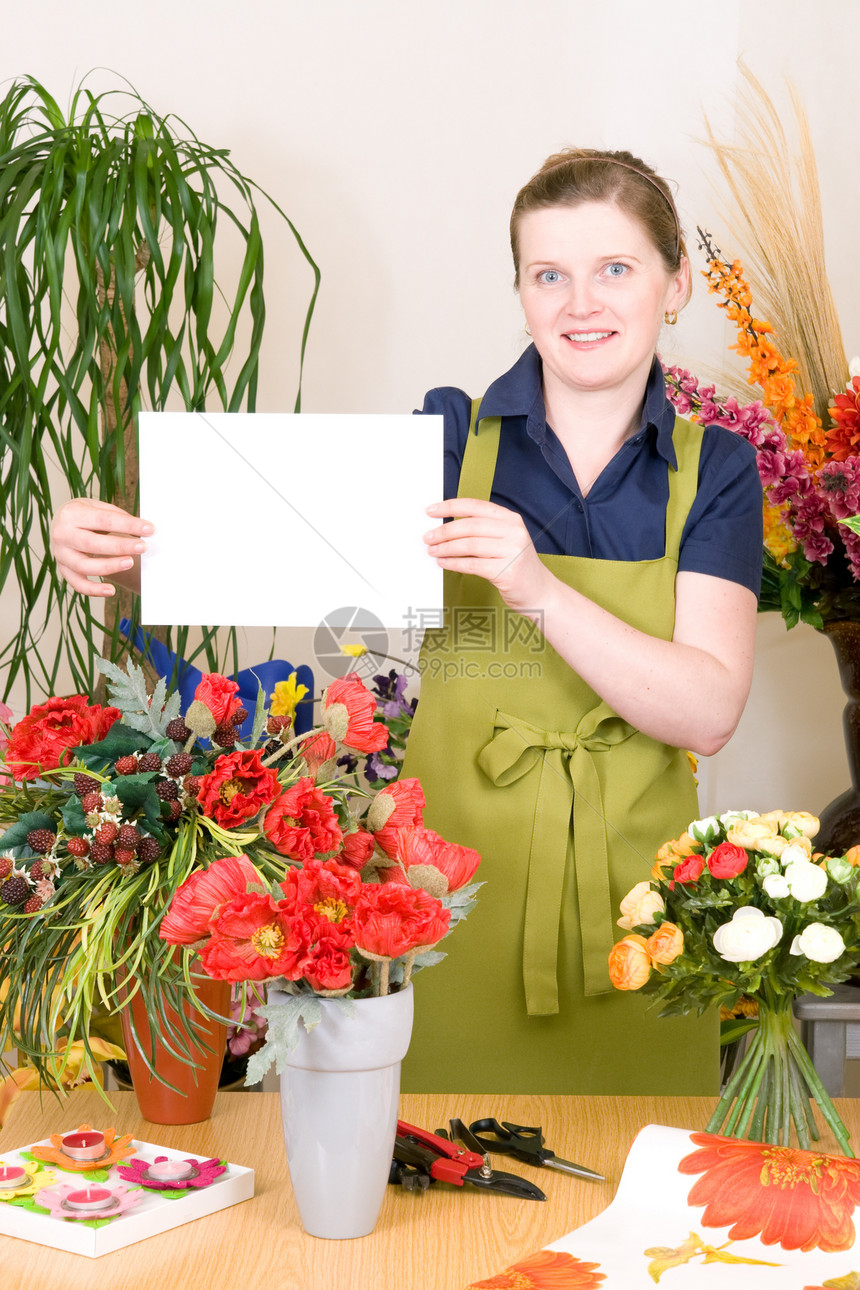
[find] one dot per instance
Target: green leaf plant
(113, 298)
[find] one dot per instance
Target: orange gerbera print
(801, 1200)
(546, 1270)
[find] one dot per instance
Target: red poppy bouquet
(129, 830)
(741, 912)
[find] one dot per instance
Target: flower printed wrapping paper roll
(769, 1216)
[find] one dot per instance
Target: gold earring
(527, 329)
(671, 317)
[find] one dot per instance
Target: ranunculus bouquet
(740, 908)
(131, 830)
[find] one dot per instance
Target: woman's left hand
(490, 542)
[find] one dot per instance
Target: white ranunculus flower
(776, 886)
(819, 942)
(840, 870)
(706, 830)
(798, 852)
(767, 865)
(854, 366)
(806, 880)
(733, 817)
(748, 936)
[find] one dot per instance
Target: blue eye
(616, 270)
(550, 276)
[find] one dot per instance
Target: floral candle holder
(19, 1181)
(88, 1204)
(72, 1152)
(166, 1175)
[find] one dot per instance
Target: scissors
(524, 1143)
(438, 1159)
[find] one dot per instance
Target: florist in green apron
(602, 559)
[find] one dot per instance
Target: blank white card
(266, 519)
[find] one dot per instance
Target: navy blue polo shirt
(623, 516)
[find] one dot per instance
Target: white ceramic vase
(339, 1100)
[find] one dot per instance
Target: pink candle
(171, 1171)
(90, 1198)
(12, 1176)
(84, 1146)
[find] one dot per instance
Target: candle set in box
(90, 1192)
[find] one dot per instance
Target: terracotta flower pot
(194, 1087)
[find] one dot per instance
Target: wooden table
(441, 1240)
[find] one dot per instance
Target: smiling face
(594, 289)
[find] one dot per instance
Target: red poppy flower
(236, 788)
(546, 1270)
(317, 750)
(348, 711)
(727, 860)
(302, 822)
(396, 806)
(201, 896)
(326, 889)
(219, 695)
(390, 920)
(688, 871)
(253, 940)
(327, 965)
(801, 1200)
(43, 739)
(358, 847)
(420, 846)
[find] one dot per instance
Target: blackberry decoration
(239, 716)
(41, 840)
(106, 833)
(85, 784)
(128, 837)
(78, 847)
(175, 810)
(123, 856)
(178, 765)
(100, 853)
(37, 871)
(178, 731)
(34, 904)
(167, 790)
(15, 890)
(148, 849)
(191, 785)
(92, 802)
(149, 761)
(127, 765)
(6, 867)
(225, 736)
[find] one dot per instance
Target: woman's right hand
(92, 539)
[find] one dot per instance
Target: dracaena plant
(118, 290)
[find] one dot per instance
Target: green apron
(567, 804)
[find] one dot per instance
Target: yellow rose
(639, 906)
(752, 835)
(665, 944)
(629, 964)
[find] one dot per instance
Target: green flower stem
(819, 1094)
(774, 1085)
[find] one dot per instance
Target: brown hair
(618, 178)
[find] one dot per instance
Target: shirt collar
(518, 394)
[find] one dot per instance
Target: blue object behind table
(266, 674)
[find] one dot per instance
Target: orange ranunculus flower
(348, 711)
(629, 964)
(852, 855)
(672, 852)
(801, 1200)
(665, 944)
(546, 1270)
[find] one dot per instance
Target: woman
(602, 563)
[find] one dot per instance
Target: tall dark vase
(840, 820)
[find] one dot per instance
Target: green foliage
(112, 298)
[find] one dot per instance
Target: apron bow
(567, 784)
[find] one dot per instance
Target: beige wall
(396, 134)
